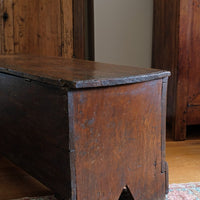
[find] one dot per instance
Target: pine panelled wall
(37, 27)
(46, 28)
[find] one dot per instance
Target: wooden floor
(15, 183)
(183, 159)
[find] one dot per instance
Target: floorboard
(15, 183)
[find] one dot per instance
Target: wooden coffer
(84, 129)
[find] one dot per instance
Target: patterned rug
(185, 191)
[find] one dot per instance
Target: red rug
(185, 191)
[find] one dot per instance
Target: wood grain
(183, 69)
(37, 27)
(117, 152)
(47, 28)
(193, 89)
(15, 183)
(74, 73)
(63, 123)
(176, 48)
(163, 118)
(67, 28)
(34, 130)
(181, 156)
(165, 44)
(1, 27)
(8, 32)
(164, 164)
(79, 28)
(193, 115)
(193, 75)
(24, 19)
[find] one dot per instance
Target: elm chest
(88, 131)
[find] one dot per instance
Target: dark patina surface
(62, 122)
(74, 73)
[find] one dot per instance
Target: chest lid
(74, 73)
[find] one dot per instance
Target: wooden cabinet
(176, 47)
(85, 129)
(46, 27)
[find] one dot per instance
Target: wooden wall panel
(24, 19)
(67, 28)
(79, 28)
(83, 20)
(1, 27)
(48, 28)
(8, 31)
(37, 27)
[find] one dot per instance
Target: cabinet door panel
(194, 68)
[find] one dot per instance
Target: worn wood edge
(164, 165)
(72, 181)
(180, 120)
(55, 82)
(121, 80)
(71, 147)
(89, 83)
(163, 122)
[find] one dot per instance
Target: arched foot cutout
(126, 194)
